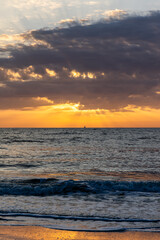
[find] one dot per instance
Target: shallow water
(80, 179)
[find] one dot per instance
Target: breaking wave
(52, 186)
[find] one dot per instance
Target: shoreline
(41, 233)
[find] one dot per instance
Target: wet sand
(40, 233)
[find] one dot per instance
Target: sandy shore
(40, 233)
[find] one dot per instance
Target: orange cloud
(43, 99)
(50, 72)
(76, 74)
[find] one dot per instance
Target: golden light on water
(39, 233)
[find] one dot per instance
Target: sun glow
(74, 115)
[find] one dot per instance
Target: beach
(40, 233)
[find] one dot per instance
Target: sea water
(80, 179)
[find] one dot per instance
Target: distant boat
(84, 126)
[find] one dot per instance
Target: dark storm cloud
(127, 51)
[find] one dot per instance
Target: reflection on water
(37, 233)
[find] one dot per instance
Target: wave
(25, 141)
(142, 223)
(77, 218)
(20, 165)
(52, 186)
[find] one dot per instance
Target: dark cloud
(123, 55)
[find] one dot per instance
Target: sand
(40, 233)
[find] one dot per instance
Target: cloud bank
(109, 64)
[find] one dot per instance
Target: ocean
(80, 179)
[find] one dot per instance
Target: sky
(79, 63)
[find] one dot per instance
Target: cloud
(109, 64)
(33, 5)
(91, 3)
(117, 13)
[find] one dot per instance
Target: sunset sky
(71, 63)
